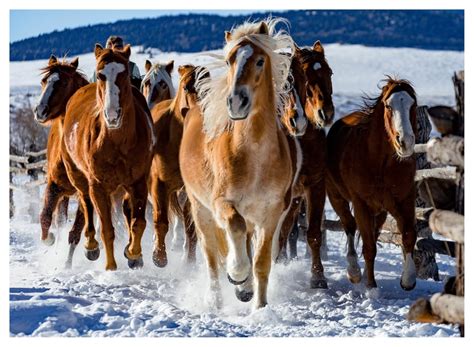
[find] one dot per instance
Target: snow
(47, 300)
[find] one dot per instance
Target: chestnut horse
(165, 176)
(108, 144)
(319, 110)
(372, 165)
(235, 159)
(60, 81)
(157, 85)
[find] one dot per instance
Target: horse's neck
(377, 140)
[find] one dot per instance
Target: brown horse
(235, 160)
(60, 81)
(371, 164)
(165, 176)
(156, 84)
(108, 144)
(319, 110)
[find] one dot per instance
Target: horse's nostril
(293, 122)
(229, 101)
(245, 101)
(46, 109)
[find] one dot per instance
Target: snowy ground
(46, 300)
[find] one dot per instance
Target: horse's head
(294, 117)
(60, 81)
(113, 83)
(157, 85)
(189, 75)
(399, 107)
(319, 107)
(248, 67)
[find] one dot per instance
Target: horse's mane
(392, 85)
(212, 92)
(160, 71)
(307, 55)
(62, 66)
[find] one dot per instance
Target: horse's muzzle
(41, 113)
(113, 119)
(238, 103)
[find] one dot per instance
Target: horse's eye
(260, 62)
(227, 62)
(101, 77)
(162, 84)
(186, 90)
(388, 107)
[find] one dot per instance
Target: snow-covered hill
(46, 300)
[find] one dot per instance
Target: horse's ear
(52, 60)
(98, 49)
(181, 70)
(263, 28)
(297, 49)
(169, 67)
(318, 47)
(147, 65)
(228, 36)
(127, 51)
(75, 62)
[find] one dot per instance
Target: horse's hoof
(135, 263)
(234, 282)
(319, 283)
(407, 288)
(93, 254)
(354, 276)
(49, 241)
(243, 295)
(159, 261)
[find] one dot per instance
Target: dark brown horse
(165, 176)
(108, 144)
(371, 164)
(319, 110)
(60, 81)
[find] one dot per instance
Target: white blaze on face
(301, 121)
(155, 77)
(243, 54)
(316, 66)
(46, 94)
(112, 91)
(401, 102)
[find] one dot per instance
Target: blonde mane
(159, 70)
(213, 91)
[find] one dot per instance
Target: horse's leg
(286, 228)
(61, 212)
(341, 206)
(316, 195)
(263, 257)
(52, 196)
(133, 251)
(75, 234)
(244, 292)
(190, 231)
(91, 245)
(101, 200)
(207, 230)
(127, 212)
(404, 214)
(159, 193)
(292, 241)
(366, 222)
(238, 264)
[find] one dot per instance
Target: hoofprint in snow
(47, 300)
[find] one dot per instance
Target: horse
(157, 85)
(235, 159)
(108, 144)
(165, 177)
(59, 82)
(371, 164)
(319, 110)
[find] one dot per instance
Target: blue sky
(28, 23)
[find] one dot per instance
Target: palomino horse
(165, 176)
(235, 160)
(60, 81)
(156, 84)
(108, 144)
(319, 110)
(372, 165)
